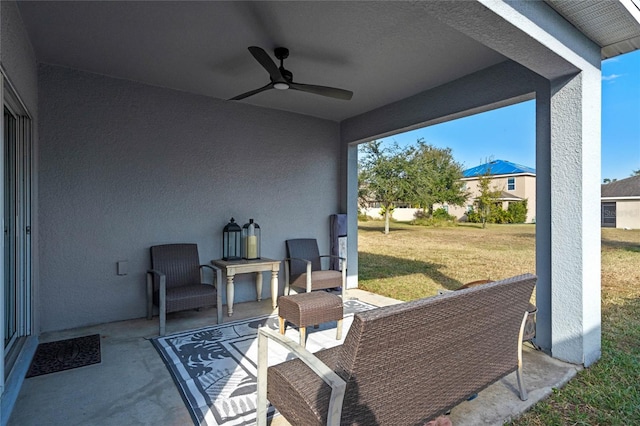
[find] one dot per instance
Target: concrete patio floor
(132, 386)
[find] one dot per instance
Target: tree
(487, 198)
(434, 177)
(635, 172)
(382, 175)
(607, 180)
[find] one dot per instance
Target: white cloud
(611, 77)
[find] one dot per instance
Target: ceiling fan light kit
(282, 79)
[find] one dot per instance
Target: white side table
(258, 266)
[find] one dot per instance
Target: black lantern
(231, 241)
(251, 240)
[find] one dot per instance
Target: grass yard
(413, 262)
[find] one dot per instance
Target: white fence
(399, 213)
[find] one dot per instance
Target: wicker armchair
(303, 268)
(174, 282)
(402, 364)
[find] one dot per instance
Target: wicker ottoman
(307, 309)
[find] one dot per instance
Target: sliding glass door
(17, 223)
(10, 287)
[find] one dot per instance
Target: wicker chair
(174, 282)
(530, 326)
(303, 268)
(402, 364)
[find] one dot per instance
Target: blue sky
(509, 133)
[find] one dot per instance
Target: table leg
(230, 294)
(274, 289)
(259, 285)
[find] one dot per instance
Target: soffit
(612, 25)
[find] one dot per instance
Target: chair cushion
(300, 395)
(188, 297)
(319, 280)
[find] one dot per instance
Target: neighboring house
(515, 182)
(620, 205)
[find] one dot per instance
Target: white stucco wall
(125, 166)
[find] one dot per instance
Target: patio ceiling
(382, 51)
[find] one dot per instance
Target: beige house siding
(627, 213)
(525, 188)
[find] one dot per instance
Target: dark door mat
(65, 354)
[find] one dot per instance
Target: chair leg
(303, 333)
(149, 296)
(163, 321)
(282, 324)
(339, 330)
(523, 390)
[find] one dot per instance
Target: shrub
(515, 213)
(473, 216)
(442, 214)
(362, 217)
(439, 218)
(518, 212)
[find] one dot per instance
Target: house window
(608, 215)
(469, 207)
(446, 208)
(511, 184)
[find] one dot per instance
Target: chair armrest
(337, 384)
(308, 262)
(162, 290)
(335, 256)
(160, 275)
(217, 282)
(298, 259)
(217, 274)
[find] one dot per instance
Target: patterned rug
(215, 367)
(64, 355)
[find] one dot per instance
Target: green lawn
(413, 262)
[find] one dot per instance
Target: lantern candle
(252, 247)
(251, 240)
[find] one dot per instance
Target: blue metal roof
(497, 167)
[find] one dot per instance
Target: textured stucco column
(568, 235)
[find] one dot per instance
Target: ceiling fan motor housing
(281, 53)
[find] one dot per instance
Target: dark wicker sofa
(403, 364)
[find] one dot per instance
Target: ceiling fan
(282, 79)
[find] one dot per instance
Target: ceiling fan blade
(253, 92)
(267, 63)
(331, 92)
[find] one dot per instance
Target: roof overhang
(612, 25)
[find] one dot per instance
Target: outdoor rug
(65, 354)
(215, 368)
